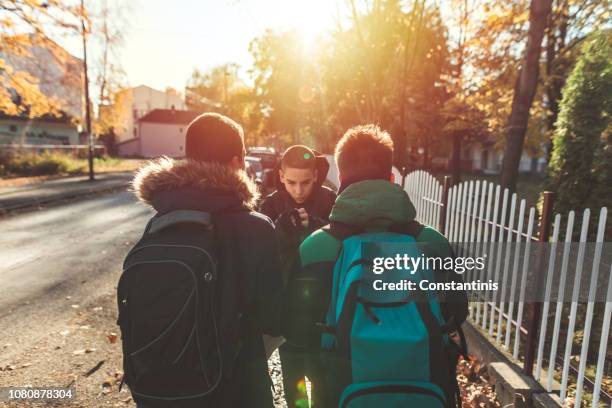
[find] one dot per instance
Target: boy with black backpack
(201, 286)
(299, 206)
(387, 348)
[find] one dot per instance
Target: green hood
(373, 205)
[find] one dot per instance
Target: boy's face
(299, 183)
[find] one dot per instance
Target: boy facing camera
(299, 206)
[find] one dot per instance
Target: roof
(170, 116)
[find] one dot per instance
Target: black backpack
(179, 341)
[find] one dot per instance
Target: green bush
(37, 164)
(580, 170)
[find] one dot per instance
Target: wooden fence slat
(509, 240)
(603, 343)
(525, 269)
(491, 259)
(547, 294)
(574, 307)
(601, 229)
(513, 279)
(479, 244)
(498, 258)
(557, 326)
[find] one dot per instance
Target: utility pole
(87, 104)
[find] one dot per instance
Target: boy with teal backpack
(378, 338)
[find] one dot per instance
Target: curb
(56, 198)
(513, 388)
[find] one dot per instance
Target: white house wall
(143, 99)
(129, 148)
(495, 158)
(158, 139)
(36, 132)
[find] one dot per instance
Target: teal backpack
(386, 348)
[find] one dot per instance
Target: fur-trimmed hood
(166, 174)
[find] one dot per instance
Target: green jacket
(372, 205)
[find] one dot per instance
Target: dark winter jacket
(279, 204)
(247, 244)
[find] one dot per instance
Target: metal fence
(478, 216)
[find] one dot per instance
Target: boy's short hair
(214, 137)
(365, 152)
(299, 157)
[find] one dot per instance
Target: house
(139, 101)
(161, 132)
(59, 76)
(484, 157)
(489, 160)
(47, 130)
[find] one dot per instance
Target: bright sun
(311, 18)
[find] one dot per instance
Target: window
(13, 128)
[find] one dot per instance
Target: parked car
(268, 155)
(269, 161)
(254, 169)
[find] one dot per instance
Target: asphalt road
(54, 260)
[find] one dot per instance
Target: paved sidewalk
(47, 192)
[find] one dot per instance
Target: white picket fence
(480, 215)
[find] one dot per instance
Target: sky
(165, 40)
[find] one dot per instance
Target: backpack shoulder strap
(178, 217)
(341, 231)
(412, 228)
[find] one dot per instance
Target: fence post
(444, 204)
(534, 309)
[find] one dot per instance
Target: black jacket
(279, 204)
(248, 244)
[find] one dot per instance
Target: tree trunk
(524, 91)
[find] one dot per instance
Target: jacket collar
(192, 181)
(373, 204)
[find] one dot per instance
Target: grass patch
(28, 164)
(32, 164)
